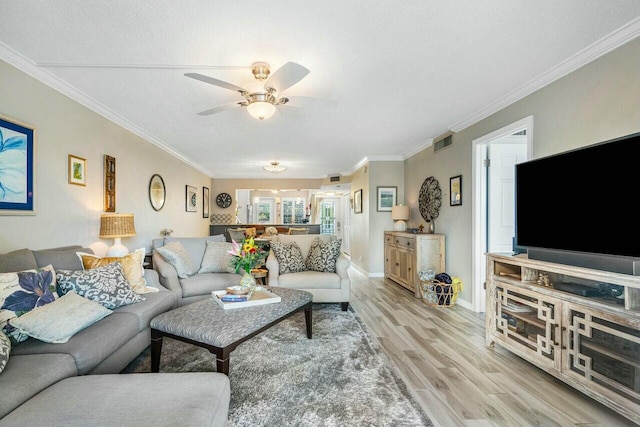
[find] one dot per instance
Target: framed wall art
(77, 170)
(191, 198)
(455, 191)
(387, 198)
(357, 201)
(17, 176)
(109, 183)
(205, 202)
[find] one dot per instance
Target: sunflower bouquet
(246, 255)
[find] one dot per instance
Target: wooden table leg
(156, 350)
(307, 317)
(222, 366)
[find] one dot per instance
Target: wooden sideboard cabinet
(592, 343)
(406, 254)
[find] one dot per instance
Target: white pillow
(60, 320)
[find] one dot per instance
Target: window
(327, 217)
(293, 211)
(264, 211)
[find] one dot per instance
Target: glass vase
(248, 282)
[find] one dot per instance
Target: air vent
(335, 178)
(443, 143)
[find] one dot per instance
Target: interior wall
(597, 102)
(231, 185)
(382, 174)
(360, 231)
(70, 214)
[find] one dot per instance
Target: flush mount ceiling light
(260, 96)
(274, 167)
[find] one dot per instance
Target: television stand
(590, 343)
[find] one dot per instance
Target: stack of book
(234, 298)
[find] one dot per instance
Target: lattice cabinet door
(602, 351)
(528, 323)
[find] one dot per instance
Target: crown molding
(425, 144)
(23, 64)
(605, 45)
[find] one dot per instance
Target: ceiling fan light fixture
(261, 109)
(274, 167)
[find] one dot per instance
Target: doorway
(493, 206)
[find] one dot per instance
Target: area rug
(341, 377)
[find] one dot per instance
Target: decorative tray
(260, 296)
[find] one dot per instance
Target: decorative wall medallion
(430, 199)
(223, 200)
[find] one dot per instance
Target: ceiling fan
(261, 96)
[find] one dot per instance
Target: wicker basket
(439, 294)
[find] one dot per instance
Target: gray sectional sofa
(56, 384)
(197, 286)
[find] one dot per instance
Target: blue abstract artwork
(16, 168)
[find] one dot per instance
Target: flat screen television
(579, 207)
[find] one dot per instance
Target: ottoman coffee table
(206, 324)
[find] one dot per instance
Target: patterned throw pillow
(175, 254)
(289, 257)
(59, 321)
(217, 258)
(21, 292)
(131, 265)
(323, 255)
(5, 349)
(106, 285)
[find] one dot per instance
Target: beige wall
(69, 214)
(599, 101)
(231, 185)
(361, 234)
(383, 174)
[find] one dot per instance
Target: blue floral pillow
(21, 292)
(106, 285)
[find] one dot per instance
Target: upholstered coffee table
(206, 324)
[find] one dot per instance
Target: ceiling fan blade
(219, 109)
(286, 76)
(215, 82)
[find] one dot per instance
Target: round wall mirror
(157, 192)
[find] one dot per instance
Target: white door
(503, 154)
(493, 201)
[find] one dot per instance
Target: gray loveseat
(50, 384)
(197, 286)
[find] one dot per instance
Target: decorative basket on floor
(440, 294)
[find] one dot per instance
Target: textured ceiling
(386, 76)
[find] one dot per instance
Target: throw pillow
(175, 254)
(323, 255)
(5, 349)
(59, 321)
(217, 258)
(21, 292)
(131, 265)
(289, 257)
(106, 285)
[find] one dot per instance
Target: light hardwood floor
(442, 357)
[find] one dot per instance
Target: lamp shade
(261, 110)
(117, 225)
(400, 213)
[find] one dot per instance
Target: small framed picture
(205, 202)
(357, 201)
(387, 197)
(77, 170)
(191, 198)
(455, 190)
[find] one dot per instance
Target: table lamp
(116, 226)
(400, 214)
